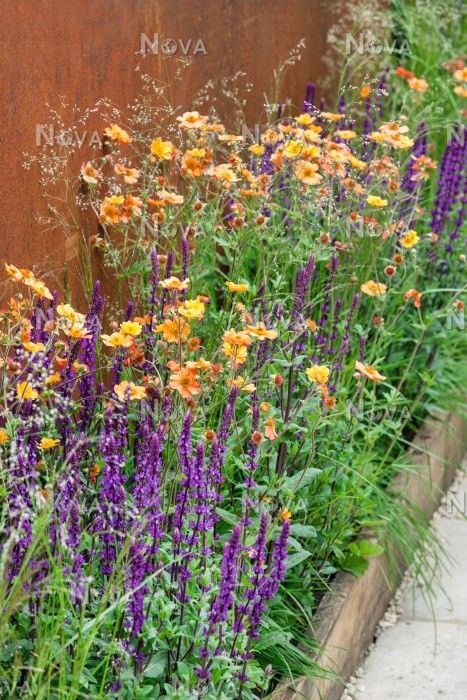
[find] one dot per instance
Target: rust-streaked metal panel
(87, 49)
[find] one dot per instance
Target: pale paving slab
(418, 659)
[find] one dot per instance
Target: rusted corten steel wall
(87, 49)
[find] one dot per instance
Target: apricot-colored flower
(286, 514)
(185, 381)
(25, 391)
(374, 201)
(402, 72)
(373, 289)
(318, 373)
(129, 390)
(311, 325)
(175, 283)
(38, 288)
(270, 429)
(164, 150)
(33, 347)
(116, 133)
(167, 197)
(346, 134)
(332, 116)
(68, 312)
(174, 330)
(369, 372)
(261, 332)
(417, 84)
(132, 328)
(461, 74)
(236, 288)
(460, 90)
(130, 175)
(4, 437)
(307, 172)
(224, 173)
(292, 149)
(409, 239)
(90, 174)
(192, 120)
(239, 338)
(365, 91)
(47, 443)
(415, 296)
(192, 309)
(117, 340)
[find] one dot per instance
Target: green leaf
(303, 530)
(227, 516)
(301, 478)
(355, 564)
(366, 548)
(156, 665)
(297, 558)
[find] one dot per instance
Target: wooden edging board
(346, 619)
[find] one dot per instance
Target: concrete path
(423, 656)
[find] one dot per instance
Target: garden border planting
(347, 616)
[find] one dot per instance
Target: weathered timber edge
(346, 619)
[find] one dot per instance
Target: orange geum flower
(130, 175)
(175, 283)
(53, 379)
(185, 381)
(265, 406)
(33, 347)
(461, 74)
(238, 353)
(193, 344)
(47, 443)
(174, 330)
(257, 149)
(90, 174)
(164, 150)
(192, 120)
(402, 72)
(210, 435)
(116, 133)
(132, 328)
(311, 325)
(460, 90)
(238, 338)
(26, 392)
(192, 309)
(270, 429)
(110, 209)
(236, 288)
(117, 340)
(261, 332)
(77, 332)
(373, 289)
(286, 514)
(369, 372)
(365, 91)
(415, 296)
(128, 390)
(292, 149)
(256, 438)
(4, 437)
(307, 172)
(409, 239)
(318, 373)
